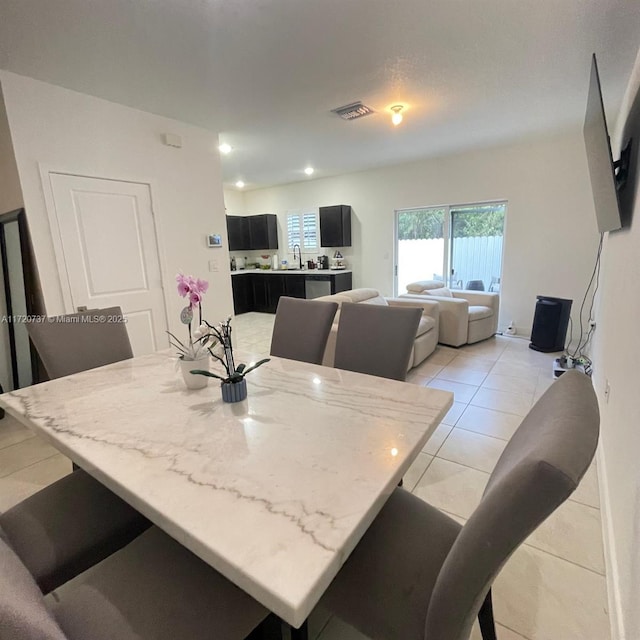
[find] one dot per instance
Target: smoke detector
(353, 111)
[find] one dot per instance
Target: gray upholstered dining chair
(301, 329)
(75, 522)
(152, 589)
(376, 339)
(69, 344)
(419, 575)
(67, 527)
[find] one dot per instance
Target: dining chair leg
(300, 634)
(485, 618)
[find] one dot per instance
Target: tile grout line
(57, 453)
(6, 446)
(528, 544)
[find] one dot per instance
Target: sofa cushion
(377, 300)
(361, 295)
(423, 285)
(479, 313)
(426, 324)
(336, 297)
(443, 292)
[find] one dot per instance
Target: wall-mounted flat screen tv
(607, 177)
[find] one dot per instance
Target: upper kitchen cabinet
(263, 231)
(238, 233)
(248, 233)
(335, 226)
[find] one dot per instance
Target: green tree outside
(468, 222)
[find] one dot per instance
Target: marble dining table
(274, 492)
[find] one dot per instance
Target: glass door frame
(446, 232)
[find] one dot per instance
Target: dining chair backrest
(23, 613)
(538, 470)
(301, 329)
(376, 339)
(80, 341)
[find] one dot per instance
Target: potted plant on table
(233, 385)
(193, 353)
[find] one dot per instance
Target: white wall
(71, 132)
(616, 355)
(551, 235)
(234, 202)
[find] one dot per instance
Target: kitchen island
(260, 289)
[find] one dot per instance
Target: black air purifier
(550, 324)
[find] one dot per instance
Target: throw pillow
(421, 285)
(443, 292)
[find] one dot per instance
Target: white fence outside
(472, 259)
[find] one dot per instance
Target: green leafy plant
(222, 333)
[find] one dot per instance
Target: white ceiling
(266, 73)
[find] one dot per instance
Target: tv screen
(599, 158)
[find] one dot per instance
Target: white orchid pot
(195, 381)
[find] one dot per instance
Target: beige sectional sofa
(427, 334)
(465, 316)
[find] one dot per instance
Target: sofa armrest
(479, 298)
(454, 317)
(429, 307)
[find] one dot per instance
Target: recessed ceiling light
(240, 184)
(309, 171)
(396, 118)
(225, 148)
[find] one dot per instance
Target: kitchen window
(302, 229)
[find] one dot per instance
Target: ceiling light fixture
(240, 184)
(225, 148)
(309, 171)
(396, 118)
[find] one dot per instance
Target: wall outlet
(607, 390)
(213, 265)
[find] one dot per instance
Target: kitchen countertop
(294, 272)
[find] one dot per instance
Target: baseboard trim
(610, 555)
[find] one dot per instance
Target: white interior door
(111, 253)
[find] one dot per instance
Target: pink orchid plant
(200, 340)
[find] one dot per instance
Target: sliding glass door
(459, 245)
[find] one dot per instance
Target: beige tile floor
(553, 588)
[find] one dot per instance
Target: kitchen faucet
(299, 255)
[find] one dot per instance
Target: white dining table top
(274, 492)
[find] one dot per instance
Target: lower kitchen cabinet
(261, 292)
(295, 286)
(243, 297)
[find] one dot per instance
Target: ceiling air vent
(353, 111)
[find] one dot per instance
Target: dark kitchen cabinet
(295, 286)
(335, 226)
(242, 286)
(238, 233)
(263, 231)
(267, 290)
(247, 233)
(261, 292)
